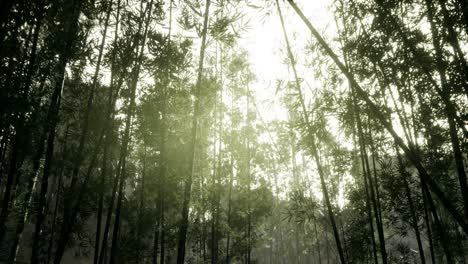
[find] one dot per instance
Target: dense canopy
(229, 131)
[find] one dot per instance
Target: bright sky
(264, 42)
(266, 47)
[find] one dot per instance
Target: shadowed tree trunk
(456, 148)
(112, 96)
(107, 224)
(231, 178)
(73, 204)
(453, 39)
(57, 199)
(358, 124)
(438, 224)
(141, 206)
(366, 188)
(182, 237)
(121, 174)
(312, 144)
(376, 113)
(318, 242)
(428, 228)
(368, 179)
(213, 244)
(163, 159)
(414, 219)
(71, 29)
(19, 140)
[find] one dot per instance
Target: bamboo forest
(234, 131)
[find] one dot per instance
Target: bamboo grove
(137, 131)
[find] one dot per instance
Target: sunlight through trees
(228, 131)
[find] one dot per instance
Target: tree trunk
(108, 127)
(249, 181)
(141, 206)
(375, 111)
(368, 182)
(318, 242)
(102, 183)
(366, 187)
(414, 220)
(374, 168)
(313, 147)
(192, 147)
(368, 201)
(231, 178)
(370, 185)
(85, 123)
(126, 139)
(429, 229)
(444, 93)
(214, 250)
(155, 244)
(457, 153)
(440, 229)
(162, 173)
(163, 160)
(18, 142)
(52, 120)
(57, 199)
(454, 42)
(71, 212)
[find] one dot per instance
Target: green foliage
(102, 137)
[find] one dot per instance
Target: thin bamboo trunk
(318, 242)
(456, 148)
(249, 181)
(366, 188)
(368, 184)
(192, 147)
(374, 168)
(79, 158)
(454, 42)
(108, 127)
(141, 206)
(368, 202)
(56, 206)
(107, 224)
(71, 212)
(155, 243)
(314, 150)
(52, 120)
(214, 252)
(126, 139)
(107, 143)
(18, 142)
(162, 173)
(376, 113)
(163, 161)
(414, 220)
(379, 225)
(231, 178)
(440, 228)
(220, 156)
(313, 146)
(429, 229)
